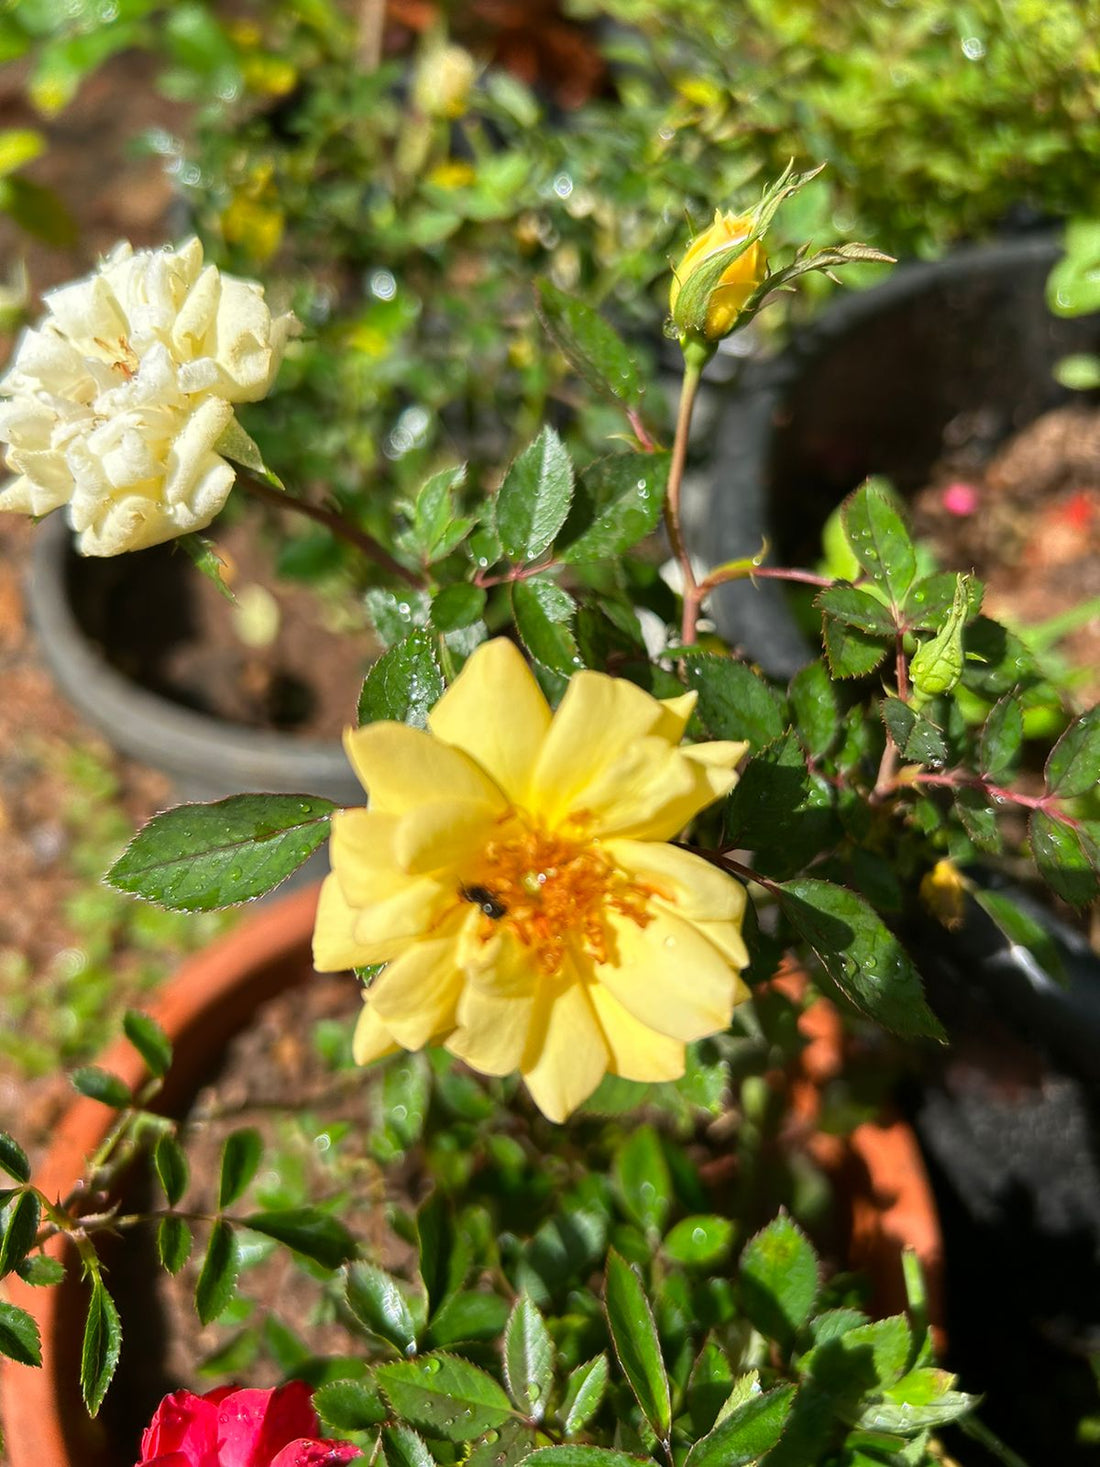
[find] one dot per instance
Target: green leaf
(240, 1159)
(544, 614)
(528, 1359)
(308, 1231)
(41, 1271)
(444, 1396)
(879, 540)
(509, 1447)
(1063, 863)
(780, 1280)
(349, 1405)
(584, 1393)
(458, 606)
(859, 953)
(534, 498)
(709, 1387)
(403, 1447)
(1080, 372)
(642, 1179)
(38, 210)
(19, 1336)
(699, 1241)
(921, 1400)
(734, 702)
(855, 608)
(150, 1041)
(618, 503)
(747, 1433)
(979, 818)
(591, 346)
(575, 1455)
(444, 1257)
(1002, 736)
(403, 685)
(850, 652)
(19, 146)
(204, 556)
(1021, 928)
(634, 1335)
(468, 1315)
(173, 1243)
(197, 858)
(937, 665)
(170, 1162)
(1073, 767)
(20, 1231)
(98, 1084)
(406, 1093)
(13, 1159)
(816, 710)
(376, 1300)
(997, 661)
(101, 1346)
(917, 738)
(218, 1275)
(779, 810)
(930, 601)
(434, 513)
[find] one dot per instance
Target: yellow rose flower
(744, 275)
(514, 874)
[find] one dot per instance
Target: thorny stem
(784, 573)
(516, 573)
(646, 441)
(366, 544)
(959, 779)
(693, 372)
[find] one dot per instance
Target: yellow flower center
(553, 893)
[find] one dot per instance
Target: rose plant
(591, 832)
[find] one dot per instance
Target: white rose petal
(116, 401)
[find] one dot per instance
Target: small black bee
(482, 897)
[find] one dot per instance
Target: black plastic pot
(1008, 1116)
(206, 758)
(963, 346)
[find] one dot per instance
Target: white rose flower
(117, 399)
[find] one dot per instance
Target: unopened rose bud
(715, 313)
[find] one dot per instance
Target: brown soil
(1028, 521)
(281, 657)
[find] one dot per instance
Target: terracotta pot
(211, 999)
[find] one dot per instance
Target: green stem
(366, 544)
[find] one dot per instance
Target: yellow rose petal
(494, 1013)
(440, 837)
(695, 887)
(402, 768)
(495, 677)
(669, 976)
(637, 1052)
(599, 719)
(334, 944)
(566, 1053)
(372, 1040)
(415, 996)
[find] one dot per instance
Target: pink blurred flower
(961, 499)
(240, 1428)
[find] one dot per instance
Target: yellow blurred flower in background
(513, 872)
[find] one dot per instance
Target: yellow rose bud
(943, 892)
(735, 285)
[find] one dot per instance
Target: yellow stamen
(554, 893)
